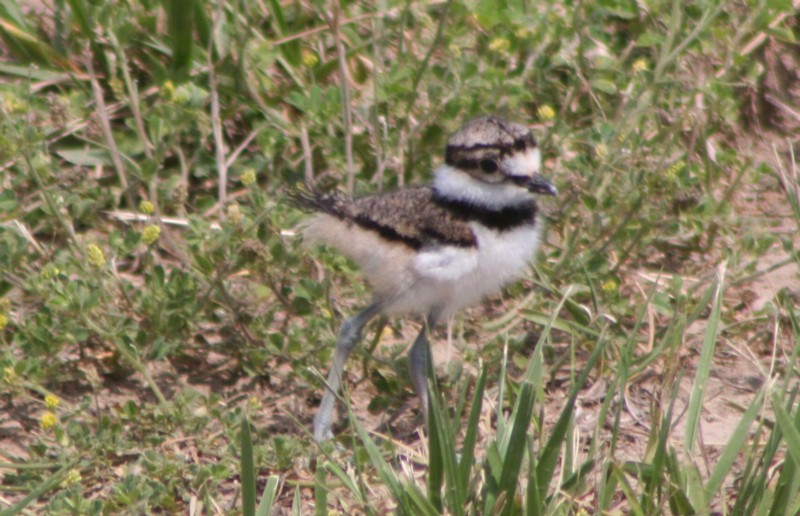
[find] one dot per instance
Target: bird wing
(410, 216)
(446, 245)
(443, 243)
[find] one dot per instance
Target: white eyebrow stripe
(525, 163)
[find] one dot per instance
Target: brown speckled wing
(408, 216)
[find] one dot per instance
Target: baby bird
(432, 250)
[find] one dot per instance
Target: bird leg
(418, 362)
(349, 335)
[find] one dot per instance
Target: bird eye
(488, 165)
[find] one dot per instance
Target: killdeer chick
(431, 250)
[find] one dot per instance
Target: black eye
(488, 165)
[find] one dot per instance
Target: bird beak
(540, 185)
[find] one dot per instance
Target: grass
(162, 332)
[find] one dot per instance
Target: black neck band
(499, 219)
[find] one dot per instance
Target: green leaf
(85, 157)
(604, 85)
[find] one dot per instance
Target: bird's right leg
(349, 335)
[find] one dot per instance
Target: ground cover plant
(164, 335)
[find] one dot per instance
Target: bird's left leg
(349, 335)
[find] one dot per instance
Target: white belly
(455, 277)
(502, 257)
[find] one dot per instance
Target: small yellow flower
(12, 104)
(150, 234)
(50, 271)
(234, 213)
(254, 403)
(609, 286)
(546, 113)
(168, 90)
(671, 174)
(95, 256)
(51, 401)
(499, 45)
(310, 59)
(248, 177)
(147, 207)
(386, 332)
(601, 149)
(73, 477)
(9, 375)
(639, 65)
(48, 421)
(3, 321)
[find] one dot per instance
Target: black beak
(540, 185)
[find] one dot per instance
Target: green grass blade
(545, 468)
(28, 47)
(81, 16)
(446, 429)
(468, 448)
(320, 492)
(297, 502)
(753, 493)
(37, 74)
(704, 365)
(247, 470)
(202, 24)
(409, 499)
(181, 29)
(733, 447)
(269, 496)
(787, 426)
(345, 479)
(51, 483)
(515, 453)
(436, 449)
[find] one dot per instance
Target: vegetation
(162, 330)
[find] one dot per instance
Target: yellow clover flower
(310, 59)
(147, 207)
(234, 213)
(499, 45)
(73, 477)
(48, 421)
(51, 401)
(248, 177)
(95, 256)
(609, 286)
(546, 113)
(9, 375)
(150, 234)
